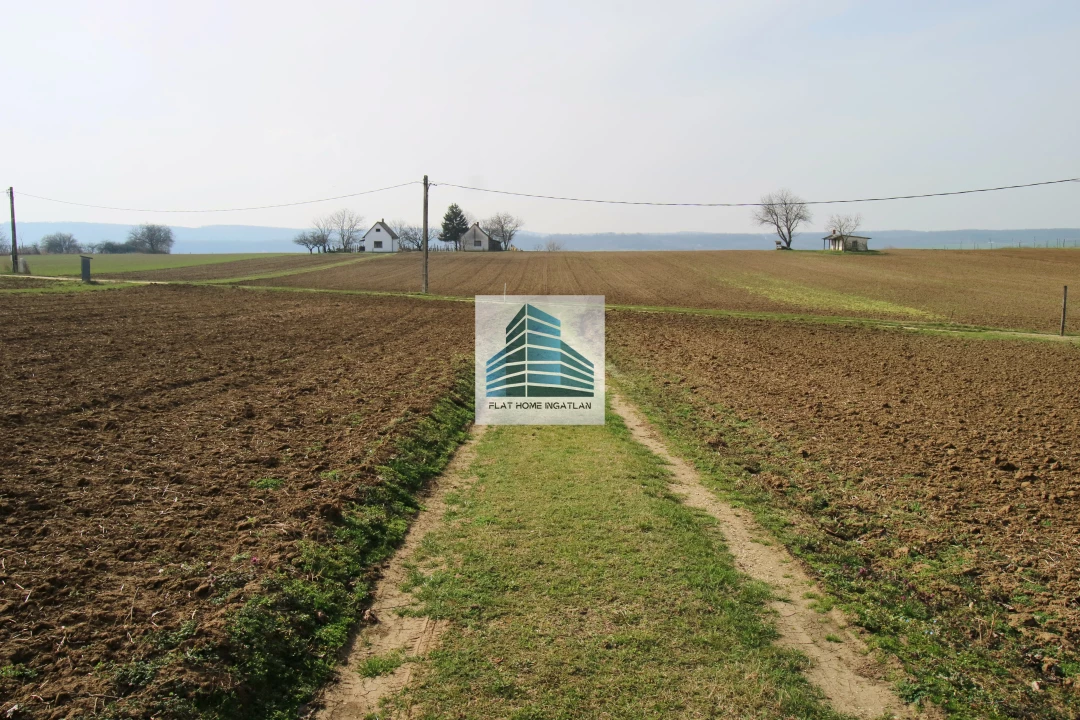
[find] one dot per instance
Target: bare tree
(346, 225)
(59, 243)
(784, 211)
(5, 244)
(552, 245)
(322, 233)
(844, 224)
(309, 240)
(411, 237)
(503, 227)
(149, 238)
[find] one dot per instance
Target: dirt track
(135, 424)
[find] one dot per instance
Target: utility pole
(14, 242)
(424, 234)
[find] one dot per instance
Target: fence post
(85, 268)
(1064, 305)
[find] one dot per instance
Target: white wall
(377, 234)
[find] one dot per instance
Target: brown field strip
(168, 450)
(1017, 289)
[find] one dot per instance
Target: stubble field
(182, 468)
(1008, 288)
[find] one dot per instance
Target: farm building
(845, 243)
(380, 238)
(476, 240)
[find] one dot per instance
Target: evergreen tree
(454, 225)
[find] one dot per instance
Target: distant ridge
(257, 238)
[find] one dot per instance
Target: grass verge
(578, 586)
(939, 328)
(281, 644)
(952, 636)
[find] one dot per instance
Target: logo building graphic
(537, 362)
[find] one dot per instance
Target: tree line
(147, 238)
(343, 230)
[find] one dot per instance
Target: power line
(759, 204)
(557, 197)
(260, 207)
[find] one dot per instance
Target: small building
(380, 238)
(476, 240)
(845, 243)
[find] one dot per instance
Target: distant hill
(255, 238)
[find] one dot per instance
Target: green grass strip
(577, 586)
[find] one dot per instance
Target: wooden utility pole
(424, 234)
(1064, 305)
(14, 242)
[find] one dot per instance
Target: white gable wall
(475, 240)
(377, 239)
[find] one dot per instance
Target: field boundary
(969, 331)
(956, 330)
(389, 633)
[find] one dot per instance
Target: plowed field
(1018, 289)
(167, 450)
(952, 464)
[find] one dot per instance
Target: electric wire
(759, 204)
(260, 207)
(561, 198)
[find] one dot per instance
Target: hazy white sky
(224, 104)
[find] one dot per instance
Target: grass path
(574, 584)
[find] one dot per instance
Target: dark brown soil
(928, 444)
(234, 269)
(135, 425)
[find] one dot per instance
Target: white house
(380, 238)
(476, 240)
(846, 243)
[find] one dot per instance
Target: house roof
(836, 236)
(385, 228)
(476, 226)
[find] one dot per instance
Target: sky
(202, 105)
